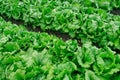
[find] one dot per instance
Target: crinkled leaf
(11, 46)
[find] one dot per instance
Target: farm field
(59, 40)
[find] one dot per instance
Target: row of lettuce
(107, 5)
(78, 18)
(38, 56)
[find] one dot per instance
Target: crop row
(75, 17)
(38, 56)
